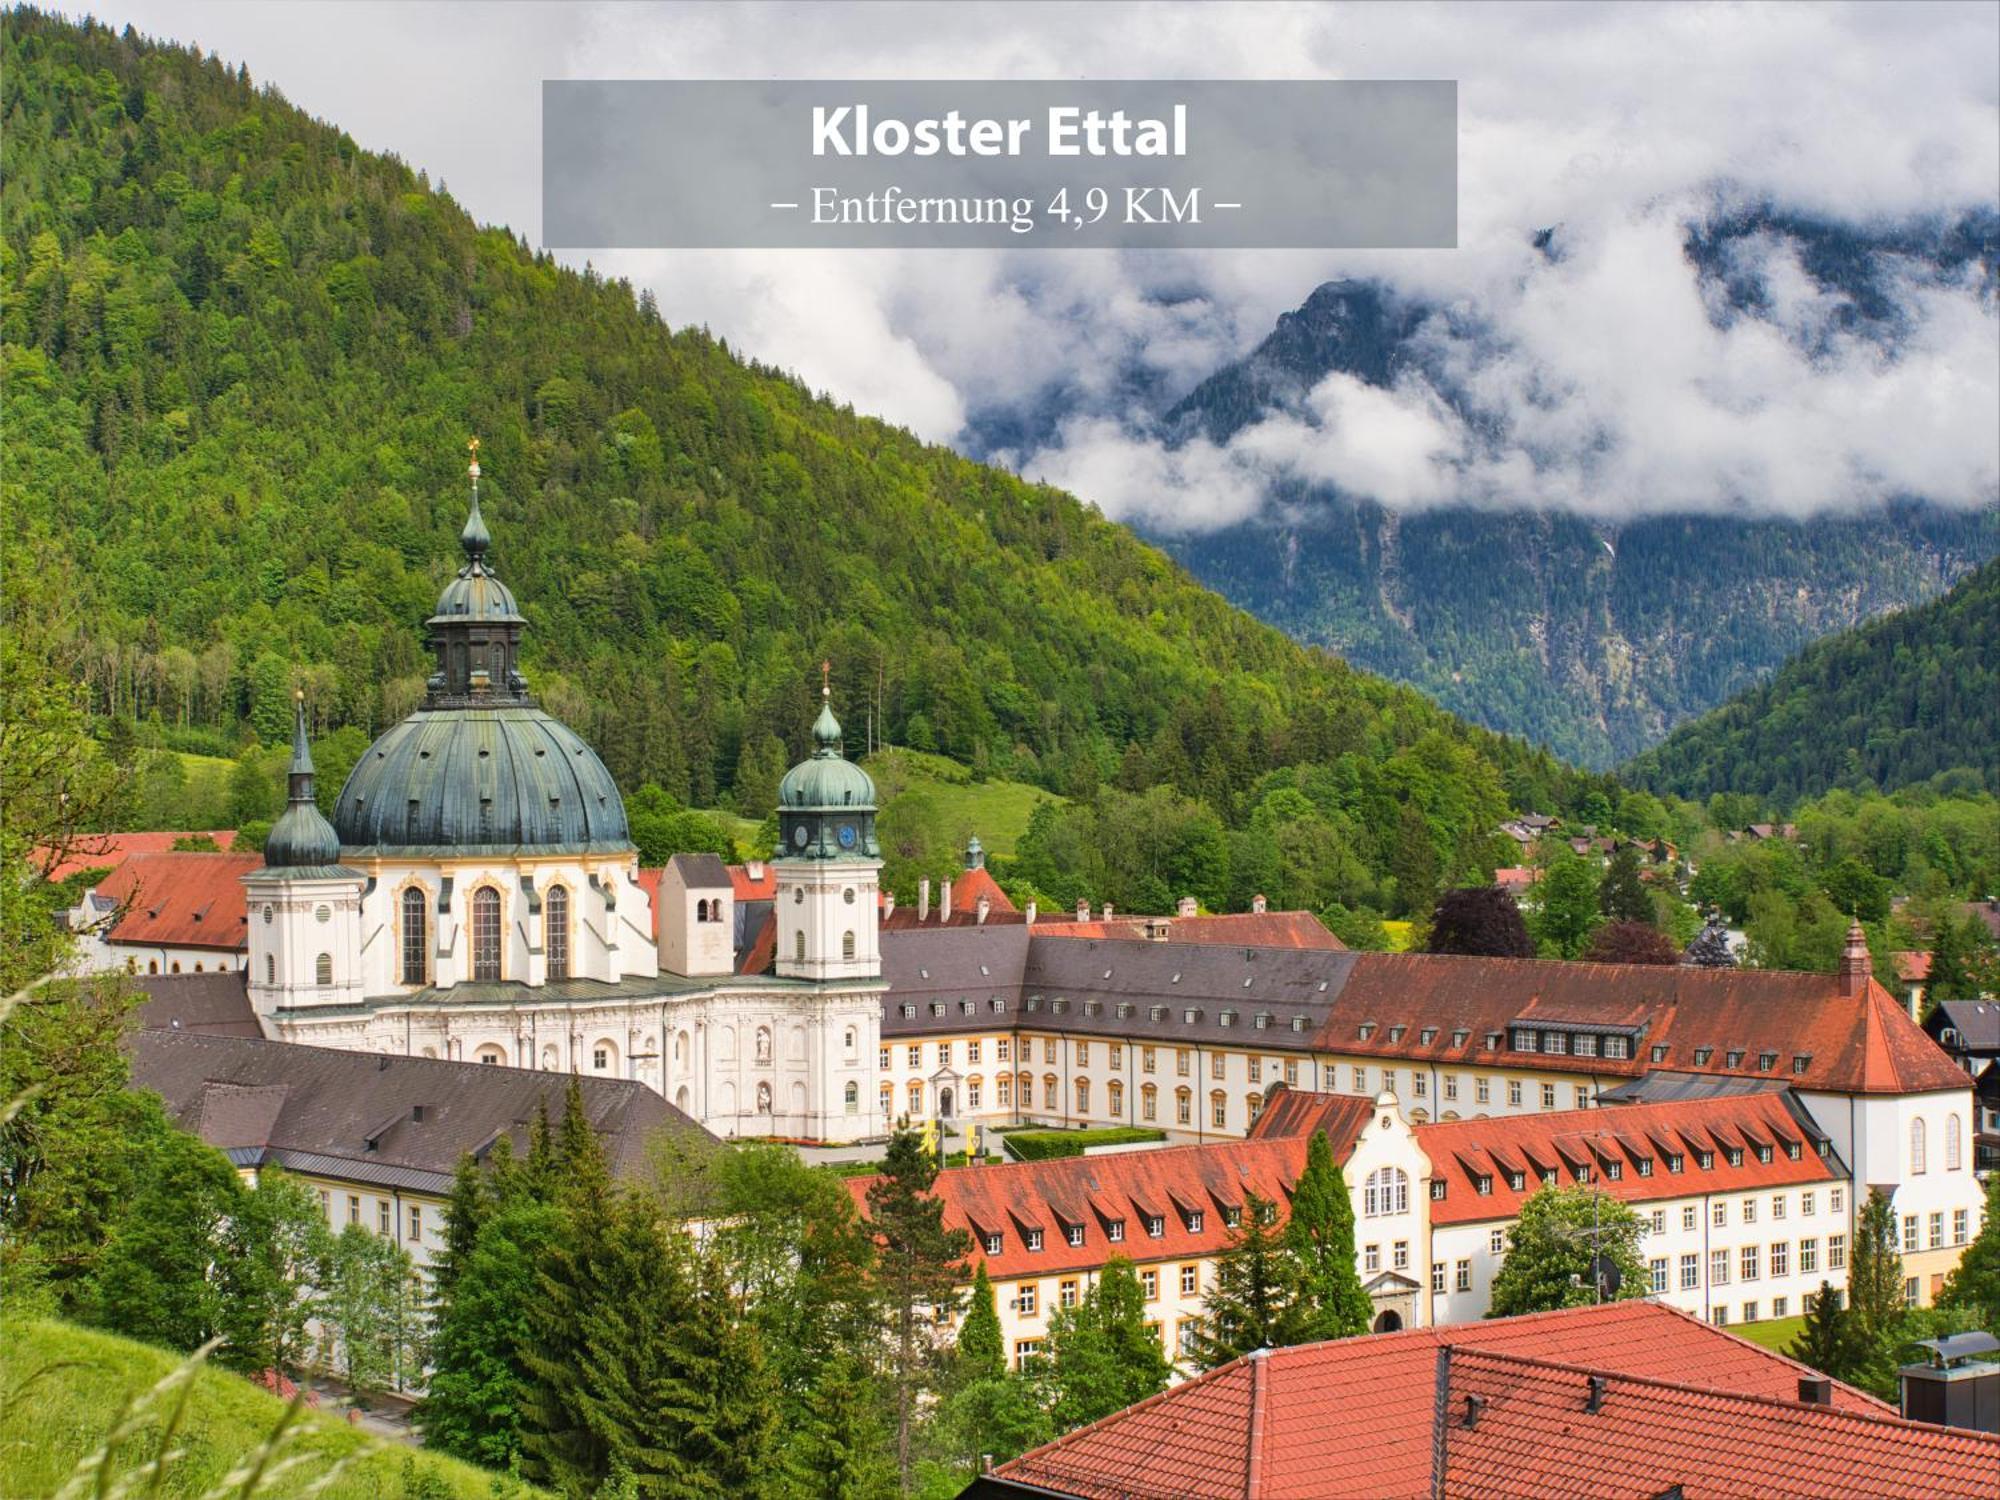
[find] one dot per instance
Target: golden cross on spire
(826, 679)
(472, 468)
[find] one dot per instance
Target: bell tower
(828, 864)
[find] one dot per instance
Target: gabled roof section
(182, 900)
(1352, 1419)
(1248, 929)
(405, 1120)
(702, 872)
(1562, 1430)
(97, 851)
(215, 1004)
(1301, 1112)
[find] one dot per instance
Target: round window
(798, 895)
(323, 914)
(267, 916)
(848, 895)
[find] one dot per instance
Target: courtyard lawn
(1773, 1333)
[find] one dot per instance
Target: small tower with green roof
(828, 864)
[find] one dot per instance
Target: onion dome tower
(304, 906)
(828, 862)
(479, 768)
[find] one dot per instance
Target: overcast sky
(1600, 383)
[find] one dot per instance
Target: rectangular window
(1024, 1301)
(1034, 1239)
(1690, 1272)
(1748, 1270)
(1555, 1043)
(382, 1223)
(1360, 1080)
(1399, 1258)
(1291, 1072)
(1910, 1292)
(1806, 1201)
(1836, 1201)
(1909, 1232)
(1808, 1256)
(1781, 1259)
(1583, 1096)
(1749, 1210)
(1149, 1283)
(1437, 1278)
(1937, 1230)
(1514, 1091)
(1082, 1055)
(1496, 1242)
(1147, 1056)
(1836, 1252)
(1026, 1350)
(1482, 1090)
(1155, 1226)
(1451, 1085)
(1777, 1205)
(1114, 1231)
(944, 1054)
(1525, 1040)
(416, 1223)
(1749, 1312)
(1371, 1258)
(326, 1205)
(992, 1244)
(1781, 1307)
(972, 1051)
(1001, 1049)
(1659, 1270)
(1190, 1280)
(1718, 1268)
(1117, 1055)
(916, 1056)
(1548, 1096)
(1959, 1225)
(354, 1208)
(1182, 1061)
(1075, 1234)
(1586, 1046)
(1218, 1109)
(1048, 1049)
(1388, 1080)
(1659, 1221)
(1688, 1217)
(1256, 1065)
(1719, 1317)
(882, 1059)
(1462, 1276)
(1066, 1293)
(1718, 1214)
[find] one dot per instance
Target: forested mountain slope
(242, 360)
(1589, 636)
(1899, 700)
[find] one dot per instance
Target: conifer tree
(1621, 894)
(920, 1264)
(1975, 1283)
(540, 1168)
(981, 1353)
(581, 1169)
(1875, 1296)
(1102, 1357)
(467, 1208)
(842, 1449)
(1828, 1342)
(1319, 1238)
(1253, 1302)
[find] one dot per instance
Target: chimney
(1186, 906)
(1031, 914)
(754, 868)
(979, 912)
(1107, 911)
(1158, 929)
(1854, 965)
(944, 901)
(924, 899)
(1816, 1390)
(1257, 903)
(1083, 911)
(888, 905)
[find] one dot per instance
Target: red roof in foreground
(1353, 1418)
(1249, 929)
(97, 851)
(181, 900)
(1547, 1430)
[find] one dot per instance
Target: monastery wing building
(477, 896)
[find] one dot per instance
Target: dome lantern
(301, 840)
(826, 803)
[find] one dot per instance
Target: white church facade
(477, 896)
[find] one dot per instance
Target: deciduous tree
(1557, 1248)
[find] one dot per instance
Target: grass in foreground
(51, 1422)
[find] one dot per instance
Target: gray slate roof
(352, 1115)
(702, 872)
(1977, 1023)
(210, 1004)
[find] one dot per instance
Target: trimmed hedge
(1047, 1145)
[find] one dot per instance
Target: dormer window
(909, 1013)
(1156, 1013)
(1437, 1189)
(1034, 1239)
(1766, 1061)
(1114, 1231)
(1396, 1033)
(1196, 1221)
(1485, 1185)
(999, 1006)
(1367, 1030)
(1493, 1041)
(1735, 1156)
(1793, 1151)
(1459, 1038)
(1702, 1055)
(1427, 1035)
(992, 1244)
(1516, 1180)
(1124, 1010)
(1733, 1058)
(1192, 1017)
(1228, 1018)
(1659, 1052)
(1554, 1043)
(1232, 1218)
(1800, 1062)
(937, 1007)
(1676, 1162)
(1705, 1160)
(1298, 1023)
(965, 1007)
(1645, 1166)
(1263, 1020)
(1156, 1226)
(1618, 1047)
(1764, 1155)
(1525, 1040)
(1586, 1046)
(1076, 1234)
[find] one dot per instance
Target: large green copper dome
(468, 780)
(479, 768)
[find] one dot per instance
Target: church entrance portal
(1389, 1322)
(944, 1104)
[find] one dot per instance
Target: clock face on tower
(800, 835)
(846, 835)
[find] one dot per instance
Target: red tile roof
(1815, 1035)
(1911, 966)
(1353, 1418)
(1462, 1151)
(97, 851)
(763, 888)
(181, 900)
(1249, 929)
(1122, 1186)
(966, 888)
(1516, 877)
(1556, 1430)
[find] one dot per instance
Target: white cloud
(1601, 384)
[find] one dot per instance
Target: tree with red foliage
(1631, 943)
(1481, 920)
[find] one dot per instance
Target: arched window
(270, 965)
(1256, 1104)
(847, 945)
(1184, 1106)
(799, 947)
(1218, 1109)
(492, 1056)
(270, 968)
(555, 931)
(1149, 1102)
(1917, 1153)
(680, 1047)
(604, 1057)
(1003, 1091)
(414, 966)
(485, 933)
(323, 969)
(175, 967)
(1117, 1100)
(1387, 1191)
(852, 1097)
(1083, 1096)
(701, 911)
(1952, 1159)
(1027, 1091)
